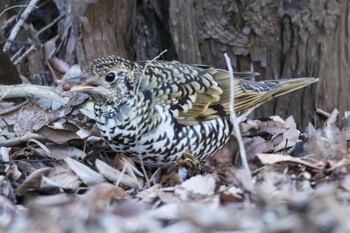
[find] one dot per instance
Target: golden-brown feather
(203, 93)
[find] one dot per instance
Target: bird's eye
(110, 77)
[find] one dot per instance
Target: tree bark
(278, 39)
(104, 28)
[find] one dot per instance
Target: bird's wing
(192, 93)
(202, 93)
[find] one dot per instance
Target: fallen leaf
(63, 151)
(33, 181)
(291, 136)
(58, 136)
(277, 158)
(202, 185)
(254, 145)
(64, 178)
(12, 172)
(59, 65)
(86, 174)
(30, 118)
(116, 176)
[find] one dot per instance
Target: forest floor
(58, 174)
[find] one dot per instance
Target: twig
(322, 112)
(332, 117)
(234, 119)
(137, 128)
(31, 48)
(25, 90)
(8, 22)
(49, 25)
(15, 6)
(121, 176)
(5, 93)
(31, 6)
(31, 161)
(17, 53)
(22, 139)
(12, 108)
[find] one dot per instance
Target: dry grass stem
(234, 118)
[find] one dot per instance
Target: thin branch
(322, 112)
(26, 90)
(31, 48)
(7, 22)
(49, 25)
(17, 53)
(31, 6)
(21, 139)
(15, 6)
(234, 119)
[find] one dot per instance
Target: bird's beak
(77, 83)
(91, 87)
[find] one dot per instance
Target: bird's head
(106, 79)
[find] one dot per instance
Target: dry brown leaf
(149, 193)
(12, 172)
(202, 185)
(116, 176)
(328, 143)
(33, 181)
(167, 196)
(49, 47)
(271, 144)
(100, 196)
(86, 174)
(31, 117)
(59, 65)
(277, 158)
(229, 195)
(291, 136)
(254, 145)
(58, 136)
(73, 71)
(224, 156)
(274, 125)
(64, 178)
(123, 162)
(64, 151)
(248, 125)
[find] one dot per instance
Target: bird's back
(200, 93)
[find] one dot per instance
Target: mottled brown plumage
(155, 111)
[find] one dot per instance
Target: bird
(156, 111)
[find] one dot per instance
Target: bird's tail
(250, 95)
(289, 85)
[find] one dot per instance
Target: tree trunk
(278, 39)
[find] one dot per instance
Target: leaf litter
(66, 183)
(58, 174)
